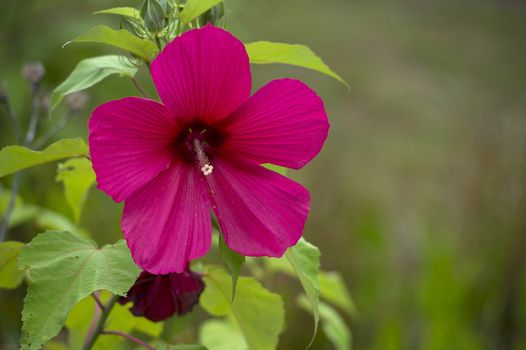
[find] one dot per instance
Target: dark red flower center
(197, 143)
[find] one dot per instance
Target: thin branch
(129, 337)
(6, 101)
(139, 88)
(30, 135)
(98, 325)
(33, 121)
(52, 132)
(4, 225)
(97, 300)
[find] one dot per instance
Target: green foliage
(64, 268)
(232, 260)
(221, 335)
(89, 72)
(164, 346)
(334, 290)
(121, 11)
(258, 312)
(123, 39)
(265, 52)
(10, 275)
(332, 324)
(305, 260)
(120, 319)
(77, 176)
(194, 8)
(15, 158)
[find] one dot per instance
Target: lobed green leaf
(64, 268)
(77, 176)
(15, 158)
(194, 8)
(89, 72)
(10, 275)
(258, 312)
(122, 39)
(265, 52)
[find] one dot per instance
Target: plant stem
(97, 300)
(53, 131)
(98, 326)
(30, 135)
(130, 337)
(139, 88)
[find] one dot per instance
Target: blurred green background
(419, 196)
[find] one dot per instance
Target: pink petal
(203, 75)
(167, 222)
(284, 123)
(261, 213)
(129, 144)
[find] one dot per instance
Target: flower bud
(158, 297)
(153, 14)
(33, 72)
(77, 101)
(213, 15)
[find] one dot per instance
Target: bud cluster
(159, 20)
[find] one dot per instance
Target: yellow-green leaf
(258, 312)
(305, 260)
(10, 275)
(77, 176)
(122, 39)
(121, 11)
(265, 52)
(89, 72)
(334, 290)
(194, 8)
(15, 158)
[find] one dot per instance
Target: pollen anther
(202, 159)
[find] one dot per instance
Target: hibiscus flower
(202, 150)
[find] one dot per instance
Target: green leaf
(15, 158)
(77, 176)
(194, 8)
(121, 11)
(334, 290)
(332, 324)
(122, 39)
(89, 72)
(258, 312)
(119, 319)
(305, 260)
(164, 346)
(221, 335)
(10, 275)
(232, 260)
(265, 52)
(64, 268)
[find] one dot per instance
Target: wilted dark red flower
(158, 297)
